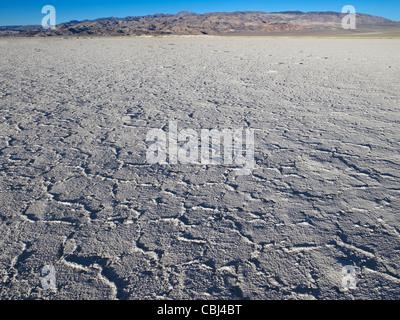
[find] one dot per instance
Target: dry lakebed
(77, 194)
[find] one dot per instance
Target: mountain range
(216, 23)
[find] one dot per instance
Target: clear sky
(23, 12)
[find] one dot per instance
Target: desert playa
(77, 193)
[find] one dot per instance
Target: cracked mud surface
(76, 191)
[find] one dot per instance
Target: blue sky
(19, 12)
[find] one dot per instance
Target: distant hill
(190, 23)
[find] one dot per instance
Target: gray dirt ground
(76, 191)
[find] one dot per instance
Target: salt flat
(77, 193)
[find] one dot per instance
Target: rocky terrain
(77, 194)
(219, 23)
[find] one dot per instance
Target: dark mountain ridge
(215, 23)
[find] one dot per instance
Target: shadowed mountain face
(218, 23)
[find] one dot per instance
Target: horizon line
(172, 14)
